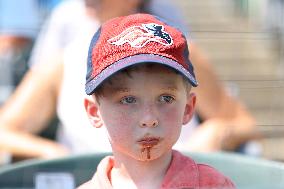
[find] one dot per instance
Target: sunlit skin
(143, 111)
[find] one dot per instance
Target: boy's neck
(133, 173)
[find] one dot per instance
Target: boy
(139, 78)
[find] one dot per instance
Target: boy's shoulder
(210, 177)
(184, 171)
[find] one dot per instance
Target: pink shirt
(183, 173)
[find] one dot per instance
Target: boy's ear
(93, 113)
(189, 108)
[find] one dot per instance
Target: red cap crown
(138, 38)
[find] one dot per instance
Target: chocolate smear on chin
(148, 151)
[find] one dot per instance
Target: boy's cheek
(118, 120)
(120, 130)
(171, 115)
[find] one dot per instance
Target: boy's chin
(147, 155)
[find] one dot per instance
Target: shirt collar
(177, 177)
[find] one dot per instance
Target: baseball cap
(139, 38)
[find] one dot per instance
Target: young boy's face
(143, 110)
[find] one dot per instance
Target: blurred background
(243, 39)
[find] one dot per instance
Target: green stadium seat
(246, 172)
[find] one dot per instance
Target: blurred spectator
(18, 28)
(53, 86)
(19, 25)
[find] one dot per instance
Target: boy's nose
(149, 123)
(148, 118)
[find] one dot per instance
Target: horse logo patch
(139, 36)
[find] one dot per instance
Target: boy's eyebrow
(121, 90)
(171, 88)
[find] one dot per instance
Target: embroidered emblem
(139, 36)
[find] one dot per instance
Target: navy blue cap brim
(91, 85)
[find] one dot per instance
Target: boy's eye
(166, 99)
(128, 100)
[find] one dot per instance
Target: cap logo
(139, 36)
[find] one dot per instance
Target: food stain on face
(148, 150)
(147, 144)
(148, 153)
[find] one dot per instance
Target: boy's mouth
(148, 141)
